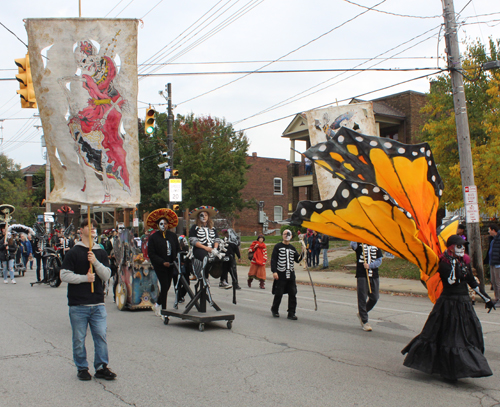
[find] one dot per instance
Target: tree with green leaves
(483, 105)
(13, 191)
(210, 157)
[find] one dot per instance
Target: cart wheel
(229, 324)
(165, 320)
(201, 327)
(121, 295)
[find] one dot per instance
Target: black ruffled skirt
(451, 342)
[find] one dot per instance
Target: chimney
(254, 154)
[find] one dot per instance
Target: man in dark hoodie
(86, 301)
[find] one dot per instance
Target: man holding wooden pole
(86, 301)
(368, 260)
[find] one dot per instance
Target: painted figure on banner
(97, 128)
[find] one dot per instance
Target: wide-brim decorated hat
(212, 212)
(155, 216)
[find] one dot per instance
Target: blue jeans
(81, 316)
(8, 266)
(325, 257)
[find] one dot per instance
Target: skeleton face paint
(459, 250)
(162, 224)
(287, 235)
(203, 217)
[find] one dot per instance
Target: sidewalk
(341, 279)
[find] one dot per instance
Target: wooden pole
(91, 243)
(367, 272)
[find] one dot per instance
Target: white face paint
(287, 235)
(203, 217)
(162, 225)
(459, 250)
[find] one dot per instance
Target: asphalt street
(323, 359)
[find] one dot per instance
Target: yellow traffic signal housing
(149, 122)
(175, 173)
(26, 89)
(175, 207)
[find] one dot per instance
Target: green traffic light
(150, 130)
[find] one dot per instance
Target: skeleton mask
(203, 217)
(459, 250)
(162, 224)
(287, 235)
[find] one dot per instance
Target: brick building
(267, 186)
(397, 117)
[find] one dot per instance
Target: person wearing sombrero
(203, 237)
(451, 342)
(163, 247)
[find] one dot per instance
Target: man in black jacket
(494, 259)
(86, 302)
(163, 247)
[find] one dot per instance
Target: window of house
(278, 213)
(278, 186)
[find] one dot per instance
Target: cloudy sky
(235, 38)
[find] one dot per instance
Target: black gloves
(490, 305)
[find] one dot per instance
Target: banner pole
(91, 243)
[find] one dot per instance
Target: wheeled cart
(199, 301)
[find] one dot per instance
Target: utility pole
(463, 137)
(170, 126)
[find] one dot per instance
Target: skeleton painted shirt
(283, 257)
(372, 255)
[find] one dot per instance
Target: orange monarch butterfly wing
(365, 213)
(406, 172)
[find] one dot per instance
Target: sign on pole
(175, 190)
(48, 217)
(470, 195)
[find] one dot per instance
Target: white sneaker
(13, 281)
(360, 321)
(157, 310)
(5, 282)
(367, 327)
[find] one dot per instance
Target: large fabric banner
(324, 123)
(85, 79)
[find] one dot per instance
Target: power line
(14, 34)
(293, 71)
(343, 100)
(154, 57)
(151, 10)
(236, 15)
(295, 97)
(131, 1)
(109, 12)
(393, 14)
(284, 56)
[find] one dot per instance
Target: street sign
(136, 222)
(472, 213)
(175, 190)
(470, 195)
(167, 173)
(48, 217)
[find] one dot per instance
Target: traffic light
(175, 207)
(175, 173)
(149, 123)
(26, 90)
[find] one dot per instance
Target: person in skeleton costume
(232, 242)
(368, 260)
(284, 254)
(163, 247)
(451, 342)
(203, 238)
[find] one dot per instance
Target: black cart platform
(201, 318)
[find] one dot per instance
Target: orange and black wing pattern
(406, 172)
(365, 213)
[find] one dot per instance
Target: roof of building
(32, 169)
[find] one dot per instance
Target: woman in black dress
(451, 342)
